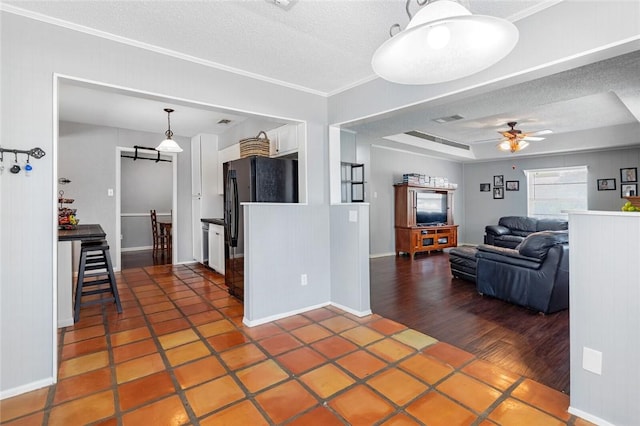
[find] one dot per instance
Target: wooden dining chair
(158, 237)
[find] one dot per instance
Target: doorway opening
(143, 184)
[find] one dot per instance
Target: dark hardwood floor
(424, 296)
(142, 258)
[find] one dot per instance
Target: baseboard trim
(26, 388)
(589, 417)
(128, 249)
(373, 256)
(352, 311)
(254, 323)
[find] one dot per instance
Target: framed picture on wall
(498, 180)
(498, 193)
(485, 187)
(513, 185)
(606, 184)
(629, 190)
(630, 174)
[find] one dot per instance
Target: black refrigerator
(251, 180)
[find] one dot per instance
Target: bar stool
(95, 265)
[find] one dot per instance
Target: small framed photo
(498, 180)
(628, 190)
(485, 187)
(629, 174)
(513, 185)
(498, 193)
(606, 184)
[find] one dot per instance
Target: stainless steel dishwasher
(205, 243)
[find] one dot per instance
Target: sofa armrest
(497, 230)
(507, 256)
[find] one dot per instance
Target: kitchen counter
(214, 221)
(82, 232)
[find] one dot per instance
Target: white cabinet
(229, 153)
(196, 199)
(205, 201)
(283, 140)
(211, 202)
(216, 248)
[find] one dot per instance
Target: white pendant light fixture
(168, 145)
(443, 42)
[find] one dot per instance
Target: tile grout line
(181, 277)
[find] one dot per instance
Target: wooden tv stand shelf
(413, 238)
(425, 238)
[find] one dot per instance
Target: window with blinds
(552, 192)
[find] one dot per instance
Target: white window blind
(552, 191)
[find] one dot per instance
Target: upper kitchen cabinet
(284, 140)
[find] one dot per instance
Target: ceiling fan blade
(532, 138)
(542, 132)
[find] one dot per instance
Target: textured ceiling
(88, 104)
(320, 45)
(324, 47)
(593, 96)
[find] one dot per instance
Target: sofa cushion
(552, 225)
(497, 230)
(519, 225)
(507, 256)
(538, 244)
(515, 239)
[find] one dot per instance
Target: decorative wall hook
(15, 169)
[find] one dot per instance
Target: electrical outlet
(592, 360)
(110, 192)
(303, 279)
(353, 215)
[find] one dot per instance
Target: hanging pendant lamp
(168, 145)
(443, 42)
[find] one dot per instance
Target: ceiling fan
(516, 140)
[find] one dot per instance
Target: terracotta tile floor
(179, 354)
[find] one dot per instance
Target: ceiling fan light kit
(168, 145)
(512, 145)
(443, 42)
(515, 140)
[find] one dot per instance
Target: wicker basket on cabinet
(258, 145)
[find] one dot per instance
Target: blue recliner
(534, 275)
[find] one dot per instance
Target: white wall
(282, 243)
(350, 235)
(87, 156)
(387, 165)
(605, 316)
(29, 63)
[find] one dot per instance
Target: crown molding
(150, 47)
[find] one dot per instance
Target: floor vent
(437, 139)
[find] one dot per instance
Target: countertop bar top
(82, 232)
(214, 221)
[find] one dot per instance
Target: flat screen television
(431, 209)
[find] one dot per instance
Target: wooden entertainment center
(411, 237)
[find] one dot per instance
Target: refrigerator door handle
(233, 208)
